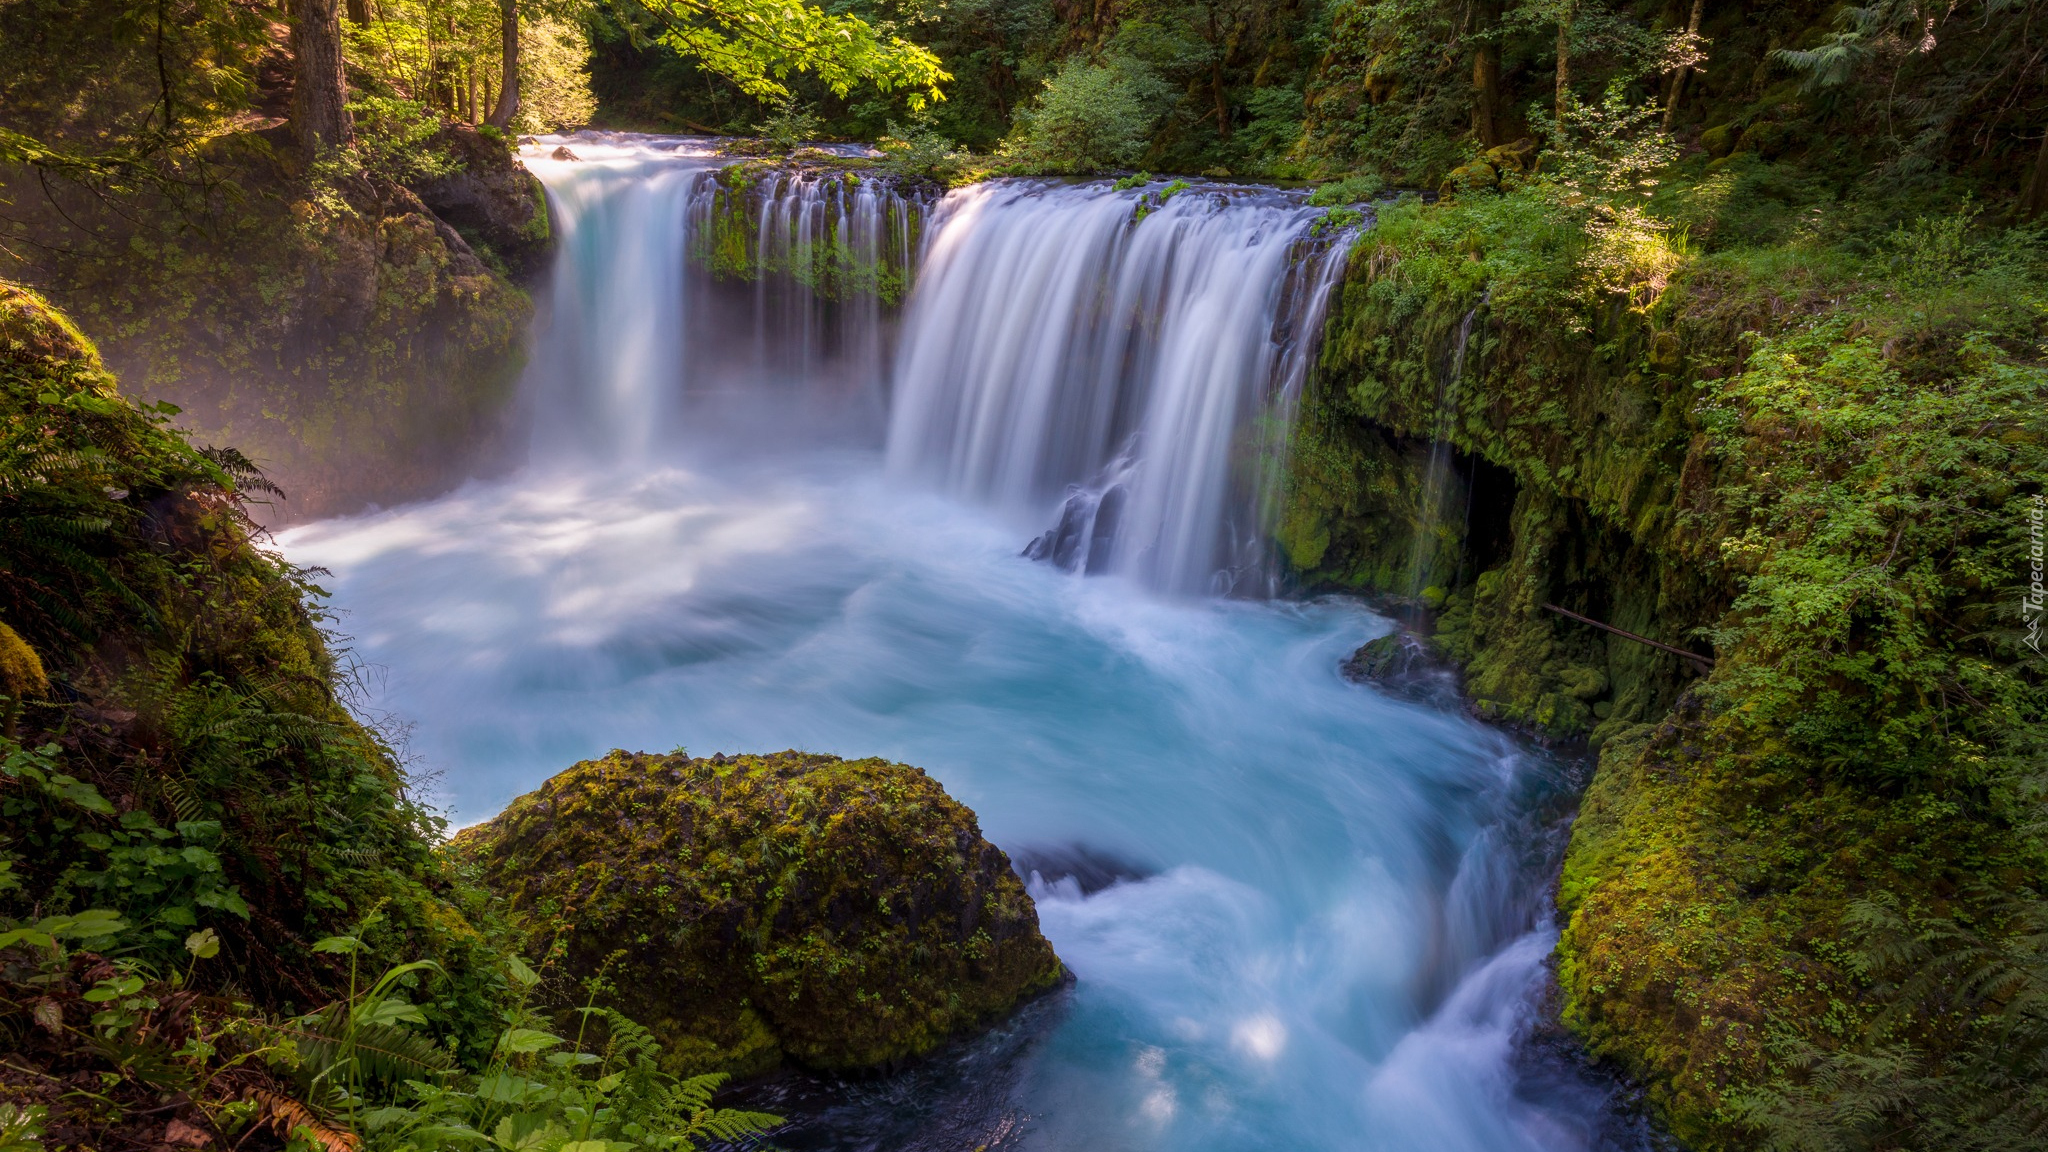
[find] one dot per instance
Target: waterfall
(1121, 362)
(1055, 349)
(1301, 914)
(689, 296)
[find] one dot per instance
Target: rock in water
(843, 913)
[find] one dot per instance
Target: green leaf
(347, 945)
(113, 988)
(203, 944)
(521, 1041)
(520, 972)
(391, 1010)
(526, 1132)
(79, 793)
(87, 925)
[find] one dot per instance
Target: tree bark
(1692, 29)
(2035, 201)
(1486, 80)
(320, 90)
(508, 89)
(1564, 64)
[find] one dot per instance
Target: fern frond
(383, 1052)
(286, 1116)
(731, 1125)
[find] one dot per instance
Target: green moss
(826, 262)
(1820, 463)
(845, 914)
(194, 708)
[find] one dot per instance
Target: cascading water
(1302, 915)
(660, 261)
(1055, 345)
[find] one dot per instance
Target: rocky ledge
(842, 914)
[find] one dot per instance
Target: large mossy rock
(843, 913)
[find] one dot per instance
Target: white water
(1052, 344)
(1337, 936)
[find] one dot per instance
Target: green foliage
(396, 138)
(445, 57)
(1089, 117)
(538, 1092)
(1336, 220)
(207, 769)
(1350, 190)
(759, 44)
(919, 151)
(21, 1129)
(790, 125)
(1990, 1093)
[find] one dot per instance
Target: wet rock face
(491, 199)
(843, 914)
(1402, 664)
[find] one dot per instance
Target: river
(1301, 914)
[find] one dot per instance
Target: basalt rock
(491, 199)
(845, 914)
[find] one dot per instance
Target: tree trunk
(1564, 63)
(2035, 201)
(1486, 80)
(359, 12)
(319, 90)
(508, 90)
(1692, 29)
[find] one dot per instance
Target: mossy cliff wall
(852, 233)
(332, 325)
(1561, 484)
(843, 913)
(189, 761)
(1799, 889)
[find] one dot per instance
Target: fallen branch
(1706, 663)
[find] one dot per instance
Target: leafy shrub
(919, 150)
(789, 125)
(395, 140)
(1353, 189)
(1090, 116)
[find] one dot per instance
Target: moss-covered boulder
(842, 913)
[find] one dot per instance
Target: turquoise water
(1328, 922)
(1337, 936)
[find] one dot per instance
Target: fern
(686, 1118)
(385, 1053)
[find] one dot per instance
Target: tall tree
(2034, 201)
(1692, 35)
(320, 89)
(508, 88)
(1565, 13)
(1486, 110)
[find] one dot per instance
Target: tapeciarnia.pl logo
(2037, 596)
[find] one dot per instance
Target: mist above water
(1302, 915)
